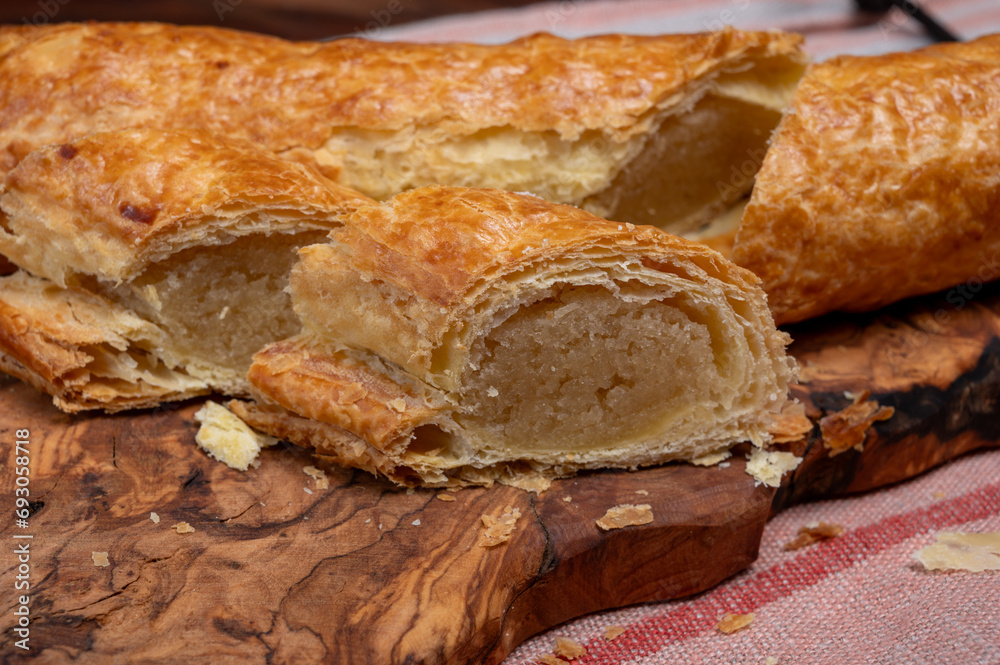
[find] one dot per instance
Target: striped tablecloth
(831, 27)
(859, 598)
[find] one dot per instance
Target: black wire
(910, 7)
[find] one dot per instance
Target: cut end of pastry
(586, 367)
(84, 350)
(679, 158)
(218, 305)
(543, 340)
(199, 255)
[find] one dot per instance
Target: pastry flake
(624, 515)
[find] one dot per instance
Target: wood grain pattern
(934, 360)
(276, 574)
(359, 573)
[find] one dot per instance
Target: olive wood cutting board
(278, 570)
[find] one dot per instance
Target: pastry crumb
(100, 559)
(768, 467)
(155, 518)
(611, 632)
(568, 649)
(731, 623)
(498, 530)
(938, 495)
(848, 428)
(712, 458)
(183, 527)
(971, 552)
(322, 482)
(568, 499)
(771, 660)
(642, 492)
(529, 481)
(791, 424)
(226, 438)
(626, 514)
(813, 533)
(445, 497)
(307, 490)
(415, 522)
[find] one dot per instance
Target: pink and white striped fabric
(831, 27)
(859, 598)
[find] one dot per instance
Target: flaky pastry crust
(561, 118)
(881, 182)
(417, 314)
(110, 204)
(176, 245)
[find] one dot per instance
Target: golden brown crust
(336, 387)
(880, 182)
(70, 79)
(437, 271)
(396, 306)
(110, 203)
(482, 232)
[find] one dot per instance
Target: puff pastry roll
(460, 335)
(881, 182)
(667, 130)
(182, 241)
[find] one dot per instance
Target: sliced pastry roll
(153, 264)
(882, 182)
(460, 335)
(666, 130)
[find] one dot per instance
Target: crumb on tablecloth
(568, 648)
(611, 632)
(813, 533)
(971, 552)
(731, 623)
(183, 527)
(100, 559)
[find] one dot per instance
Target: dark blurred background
(298, 19)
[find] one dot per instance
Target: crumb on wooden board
(626, 514)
